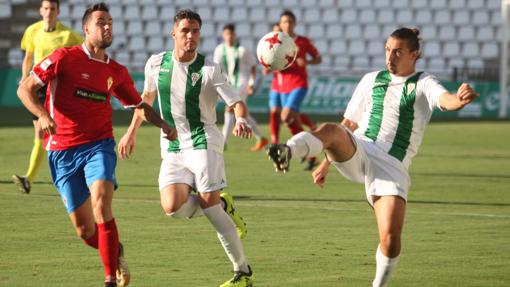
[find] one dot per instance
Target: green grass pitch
(457, 230)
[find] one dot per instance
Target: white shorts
(382, 174)
(203, 170)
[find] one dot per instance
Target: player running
(382, 129)
(187, 86)
(290, 86)
(39, 40)
(77, 121)
(240, 66)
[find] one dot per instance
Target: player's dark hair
(411, 36)
(230, 26)
(288, 13)
(93, 8)
(187, 14)
(52, 1)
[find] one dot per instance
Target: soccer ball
(276, 51)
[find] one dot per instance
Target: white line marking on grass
(272, 205)
(294, 204)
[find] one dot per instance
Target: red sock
(109, 248)
(93, 240)
(307, 121)
(295, 127)
(274, 126)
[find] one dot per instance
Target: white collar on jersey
(184, 63)
(399, 79)
(90, 56)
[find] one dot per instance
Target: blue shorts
(291, 100)
(75, 169)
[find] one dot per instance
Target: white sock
(384, 268)
(228, 125)
(228, 237)
(191, 208)
(304, 144)
(254, 127)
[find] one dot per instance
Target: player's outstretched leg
(240, 279)
(280, 154)
(228, 237)
(228, 206)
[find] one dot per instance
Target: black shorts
(41, 95)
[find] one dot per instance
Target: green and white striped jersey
(236, 62)
(187, 97)
(393, 111)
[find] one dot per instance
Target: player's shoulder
(208, 63)
(370, 76)
(35, 27)
(155, 59)
(425, 75)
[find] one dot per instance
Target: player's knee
(330, 134)
(85, 232)
(391, 244)
(171, 210)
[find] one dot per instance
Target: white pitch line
(294, 204)
(270, 205)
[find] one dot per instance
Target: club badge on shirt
(194, 78)
(109, 82)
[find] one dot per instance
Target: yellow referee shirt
(42, 43)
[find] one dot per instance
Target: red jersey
(78, 95)
(295, 76)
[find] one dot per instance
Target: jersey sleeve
(27, 41)
(223, 88)
(48, 68)
(250, 58)
(311, 49)
(126, 91)
(432, 89)
(218, 54)
(356, 105)
(149, 83)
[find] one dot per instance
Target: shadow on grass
(297, 199)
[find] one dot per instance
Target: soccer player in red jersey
(289, 87)
(76, 119)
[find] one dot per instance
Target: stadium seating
(349, 33)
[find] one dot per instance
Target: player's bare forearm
(453, 102)
(315, 61)
(26, 66)
(241, 129)
(145, 112)
(139, 117)
(240, 110)
(27, 94)
(320, 173)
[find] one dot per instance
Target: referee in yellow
(40, 40)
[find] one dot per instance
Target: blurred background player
(382, 130)
(79, 134)
(188, 86)
(240, 66)
(290, 86)
(39, 40)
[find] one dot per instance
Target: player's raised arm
(452, 102)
